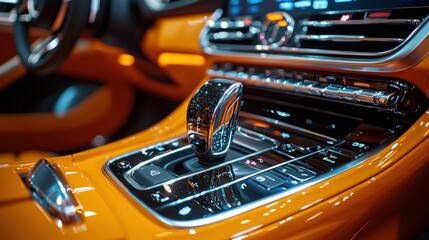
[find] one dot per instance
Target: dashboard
(259, 8)
(298, 125)
(347, 29)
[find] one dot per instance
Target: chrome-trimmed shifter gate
(273, 154)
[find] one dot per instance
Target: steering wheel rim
(45, 55)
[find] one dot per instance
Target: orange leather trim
(379, 198)
(101, 114)
(370, 194)
(26, 219)
(11, 187)
(351, 198)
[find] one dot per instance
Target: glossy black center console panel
(283, 143)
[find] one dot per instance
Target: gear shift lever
(211, 119)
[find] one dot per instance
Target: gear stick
(211, 119)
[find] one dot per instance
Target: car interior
(204, 119)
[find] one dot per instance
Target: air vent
(371, 31)
(242, 31)
(349, 34)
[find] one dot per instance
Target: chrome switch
(212, 117)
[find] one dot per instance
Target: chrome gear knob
(211, 119)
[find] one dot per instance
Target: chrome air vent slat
(330, 23)
(241, 31)
(356, 32)
(348, 38)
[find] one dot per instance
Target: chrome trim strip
(329, 23)
(268, 51)
(9, 1)
(348, 38)
(42, 47)
(413, 50)
(377, 98)
(95, 8)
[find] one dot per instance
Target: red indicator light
(277, 133)
(345, 17)
(378, 15)
(247, 21)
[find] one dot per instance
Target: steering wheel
(64, 19)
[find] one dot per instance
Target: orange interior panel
(101, 114)
(350, 198)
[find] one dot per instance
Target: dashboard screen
(258, 8)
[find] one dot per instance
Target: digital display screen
(258, 8)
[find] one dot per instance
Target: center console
(282, 144)
(259, 132)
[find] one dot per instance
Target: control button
(355, 146)
(295, 150)
(241, 170)
(268, 180)
(384, 99)
(299, 173)
(365, 137)
(158, 196)
(327, 79)
(310, 77)
(188, 210)
(290, 182)
(185, 211)
(288, 85)
(348, 93)
(309, 87)
(366, 96)
(326, 161)
(277, 73)
(151, 175)
(258, 163)
(331, 91)
(299, 76)
(124, 164)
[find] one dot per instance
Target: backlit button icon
(260, 179)
(154, 172)
(185, 211)
(124, 164)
